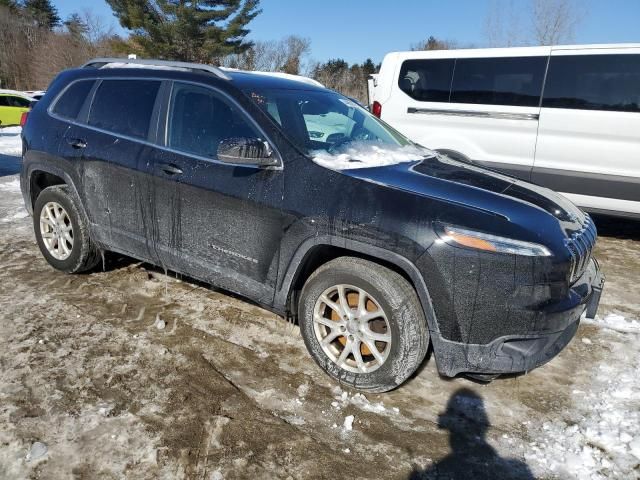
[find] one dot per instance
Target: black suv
(297, 198)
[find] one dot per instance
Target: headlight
(493, 243)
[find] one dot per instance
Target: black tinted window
(594, 82)
(71, 101)
(427, 80)
(200, 119)
(19, 102)
(513, 81)
(124, 106)
(11, 101)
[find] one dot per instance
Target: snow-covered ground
(10, 143)
(129, 372)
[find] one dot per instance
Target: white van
(566, 117)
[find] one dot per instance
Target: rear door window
(124, 106)
(71, 101)
(515, 81)
(18, 102)
(199, 119)
(594, 82)
(427, 80)
(13, 101)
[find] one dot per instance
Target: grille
(580, 245)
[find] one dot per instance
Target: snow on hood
(369, 154)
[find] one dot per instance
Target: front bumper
(524, 351)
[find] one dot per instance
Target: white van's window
(427, 80)
(594, 82)
(513, 81)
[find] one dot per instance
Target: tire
(400, 319)
(80, 255)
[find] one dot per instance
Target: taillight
(377, 109)
(23, 118)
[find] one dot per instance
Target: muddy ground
(227, 390)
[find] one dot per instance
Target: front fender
(297, 262)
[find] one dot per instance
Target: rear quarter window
(14, 101)
(71, 101)
(594, 82)
(124, 106)
(427, 80)
(515, 81)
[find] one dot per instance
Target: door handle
(77, 143)
(170, 169)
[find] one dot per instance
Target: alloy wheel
(352, 328)
(56, 230)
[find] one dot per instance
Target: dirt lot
(131, 373)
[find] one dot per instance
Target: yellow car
(12, 106)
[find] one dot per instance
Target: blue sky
(357, 29)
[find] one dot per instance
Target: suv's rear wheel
(62, 232)
(363, 324)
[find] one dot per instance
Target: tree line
(37, 43)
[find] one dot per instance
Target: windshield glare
(334, 130)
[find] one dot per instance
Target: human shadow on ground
(471, 457)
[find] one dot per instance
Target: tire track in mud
(282, 447)
(217, 388)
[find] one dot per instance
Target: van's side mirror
(246, 151)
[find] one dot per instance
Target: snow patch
(342, 400)
(368, 154)
(37, 451)
(10, 142)
(599, 437)
(348, 423)
(616, 322)
(13, 186)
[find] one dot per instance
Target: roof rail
(101, 62)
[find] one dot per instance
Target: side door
(217, 221)
(482, 109)
(115, 138)
(589, 137)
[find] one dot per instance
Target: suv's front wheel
(363, 324)
(62, 232)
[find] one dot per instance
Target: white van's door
(589, 135)
(483, 108)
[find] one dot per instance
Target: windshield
(334, 130)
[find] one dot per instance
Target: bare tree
(555, 21)
(503, 24)
(287, 55)
(31, 55)
(538, 22)
(433, 43)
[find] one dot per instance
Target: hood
(442, 177)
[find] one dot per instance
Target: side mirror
(246, 151)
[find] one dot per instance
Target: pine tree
(194, 31)
(368, 67)
(43, 12)
(76, 26)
